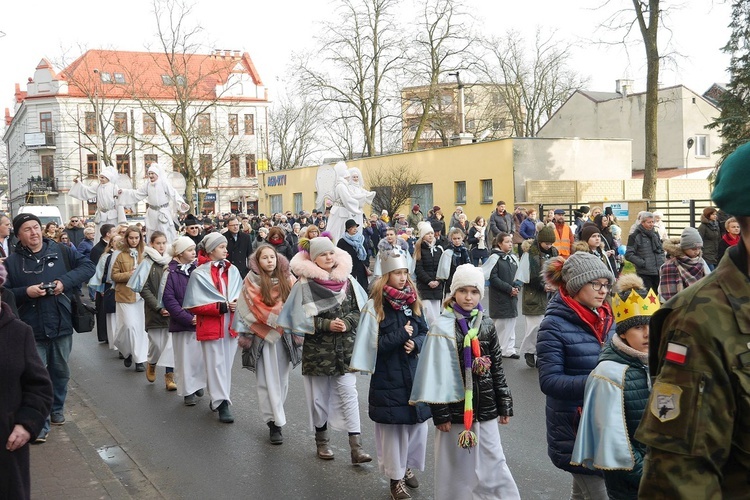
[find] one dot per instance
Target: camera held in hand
(49, 288)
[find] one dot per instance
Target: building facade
(682, 115)
(204, 116)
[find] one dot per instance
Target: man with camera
(43, 277)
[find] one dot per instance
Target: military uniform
(697, 422)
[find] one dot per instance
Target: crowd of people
(397, 298)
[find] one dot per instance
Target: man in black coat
(106, 233)
(359, 262)
(239, 245)
(193, 229)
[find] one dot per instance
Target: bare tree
(532, 82)
(294, 125)
(443, 41)
(392, 185)
(359, 52)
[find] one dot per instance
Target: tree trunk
(652, 95)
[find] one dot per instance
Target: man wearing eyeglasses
(43, 275)
(74, 230)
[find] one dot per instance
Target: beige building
(682, 115)
(486, 114)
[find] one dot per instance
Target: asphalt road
(186, 453)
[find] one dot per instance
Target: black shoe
(42, 437)
(199, 393)
(225, 416)
(128, 362)
(190, 400)
(513, 356)
(275, 431)
(57, 419)
(410, 479)
(530, 361)
(140, 367)
(119, 355)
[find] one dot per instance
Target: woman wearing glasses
(577, 324)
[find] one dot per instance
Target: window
(497, 98)
(486, 190)
(149, 159)
(249, 124)
(298, 203)
(250, 166)
(446, 100)
(48, 167)
(701, 146)
(181, 81)
(471, 124)
(92, 166)
(121, 123)
(498, 124)
(460, 188)
(178, 80)
(178, 123)
(468, 97)
(234, 127)
(206, 164)
(90, 122)
(123, 164)
(119, 78)
(45, 121)
(178, 163)
(234, 166)
(149, 124)
(276, 203)
(421, 194)
(204, 124)
(106, 77)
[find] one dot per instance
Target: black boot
(225, 416)
(275, 431)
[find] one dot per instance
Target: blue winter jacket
(567, 351)
(390, 385)
(49, 316)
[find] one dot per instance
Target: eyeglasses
(598, 285)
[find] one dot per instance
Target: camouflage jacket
(327, 353)
(697, 422)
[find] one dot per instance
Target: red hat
(415, 208)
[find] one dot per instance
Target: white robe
(159, 216)
(345, 207)
(108, 211)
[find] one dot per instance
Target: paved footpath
(85, 459)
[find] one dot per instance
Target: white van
(46, 213)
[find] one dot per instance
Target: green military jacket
(697, 422)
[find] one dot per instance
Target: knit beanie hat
(633, 304)
(320, 245)
(22, 219)
(424, 228)
(468, 275)
(181, 244)
(732, 182)
(582, 267)
(690, 238)
(546, 235)
(589, 229)
(211, 241)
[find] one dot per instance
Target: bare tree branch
(392, 185)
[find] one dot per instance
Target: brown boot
(150, 372)
(169, 381)
(358, 456)
(321, 441)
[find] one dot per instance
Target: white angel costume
(108, 209)
(160, 195)
(359, 193)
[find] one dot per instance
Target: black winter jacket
(711, 236)
(426, 270)
(502, 305)
(239, 251)
(645, 251)
(390, 385)
(492, 396)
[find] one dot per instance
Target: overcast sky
(270, 30)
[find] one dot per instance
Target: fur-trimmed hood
(281, 262)
(582, 246)
(672, 247)
(302, 266)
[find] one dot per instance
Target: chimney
(623, 86)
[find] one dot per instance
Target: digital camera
(49, 288)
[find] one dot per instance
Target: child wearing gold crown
(460, 374)
(617, 393)
(389, 339)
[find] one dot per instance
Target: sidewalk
(83, 460)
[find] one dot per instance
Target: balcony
(39, 140)
(39, 185)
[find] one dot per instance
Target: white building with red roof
(132, 109)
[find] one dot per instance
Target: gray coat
(500, 223)
(645, 251)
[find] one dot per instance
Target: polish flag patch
(676, 353)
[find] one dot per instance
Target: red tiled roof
(143, 73)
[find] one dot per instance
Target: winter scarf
(730, 240)
(598, 321)
(399, 299)
(474, 362)
(357, 241)
(257, 316)
(460, 255)
(691, 270)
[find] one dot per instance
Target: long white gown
(108, 210)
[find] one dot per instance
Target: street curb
(104, 449)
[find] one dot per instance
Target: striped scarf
(399, 299)
(474, 363)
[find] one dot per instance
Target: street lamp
(461, 117)
(690, 143)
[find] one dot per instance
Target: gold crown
(635, 305)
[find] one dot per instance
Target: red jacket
(209, 320)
